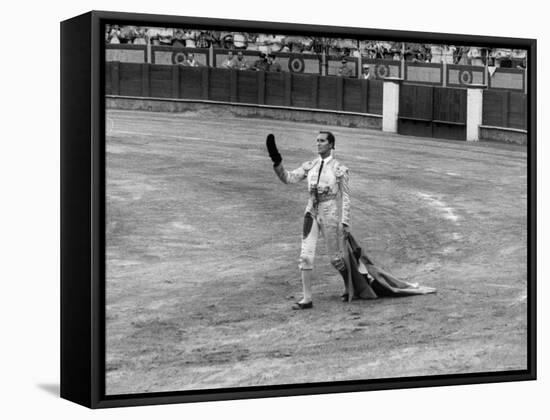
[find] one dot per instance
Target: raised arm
(288, 177)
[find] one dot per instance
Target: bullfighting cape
(381, 283)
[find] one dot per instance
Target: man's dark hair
(330, 137)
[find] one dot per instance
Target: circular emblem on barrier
(381, 71)
(296, 64)
(178, 57)
(465, 77)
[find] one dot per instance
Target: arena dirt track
(203, 242)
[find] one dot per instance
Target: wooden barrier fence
(503, 108)
(423, 110)
(262, 88)
(432, 112)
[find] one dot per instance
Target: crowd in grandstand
(272, 44)
(265, 62)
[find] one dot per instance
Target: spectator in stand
(308, 49)
(490, 57)
(141, 37)
(191, 62)
(191, 39)
(386, 50)
(122, 35)
(437, 53)
(475, 56)
(371, 52)
(285, 45)
(264, 43)
(318, 45)
(502, 57)
(241, 62)
(408, 54)
(295, 46)
(365, 74)
(127, 34)
(395, 51)
(415, 53)
(307, 45)
(215, 38)
(448, 54)
(261, 63)
(276, 43)
(226, 40)
(379, 50)
(204, 40)
(427, 54)
(274, 64)
(422, 55)
(496, 55)
(183, 62)
(153, 35)
(332, 47)
(519, 58)
(179, 40)
(461, 56)
(114, 35)
(344, 70)
(230, 61)
(166, 36)
(239, 40)
(298, 43)
(251, 42)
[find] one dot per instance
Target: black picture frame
(83, 213)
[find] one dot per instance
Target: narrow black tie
(320, 169)
(317, 185)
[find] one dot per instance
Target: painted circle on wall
(296, 64)
(178, 57)
(382, 71)
(465, 77)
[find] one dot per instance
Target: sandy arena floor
(203, 243)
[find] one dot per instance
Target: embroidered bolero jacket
(333, 186)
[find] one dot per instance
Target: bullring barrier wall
(420, 110)
(248, 87)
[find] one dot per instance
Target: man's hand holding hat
(272, 150)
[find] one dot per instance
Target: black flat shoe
(345, 297)
(306, 305)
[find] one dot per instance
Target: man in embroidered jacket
(327, 211)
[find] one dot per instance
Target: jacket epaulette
(340, 170)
